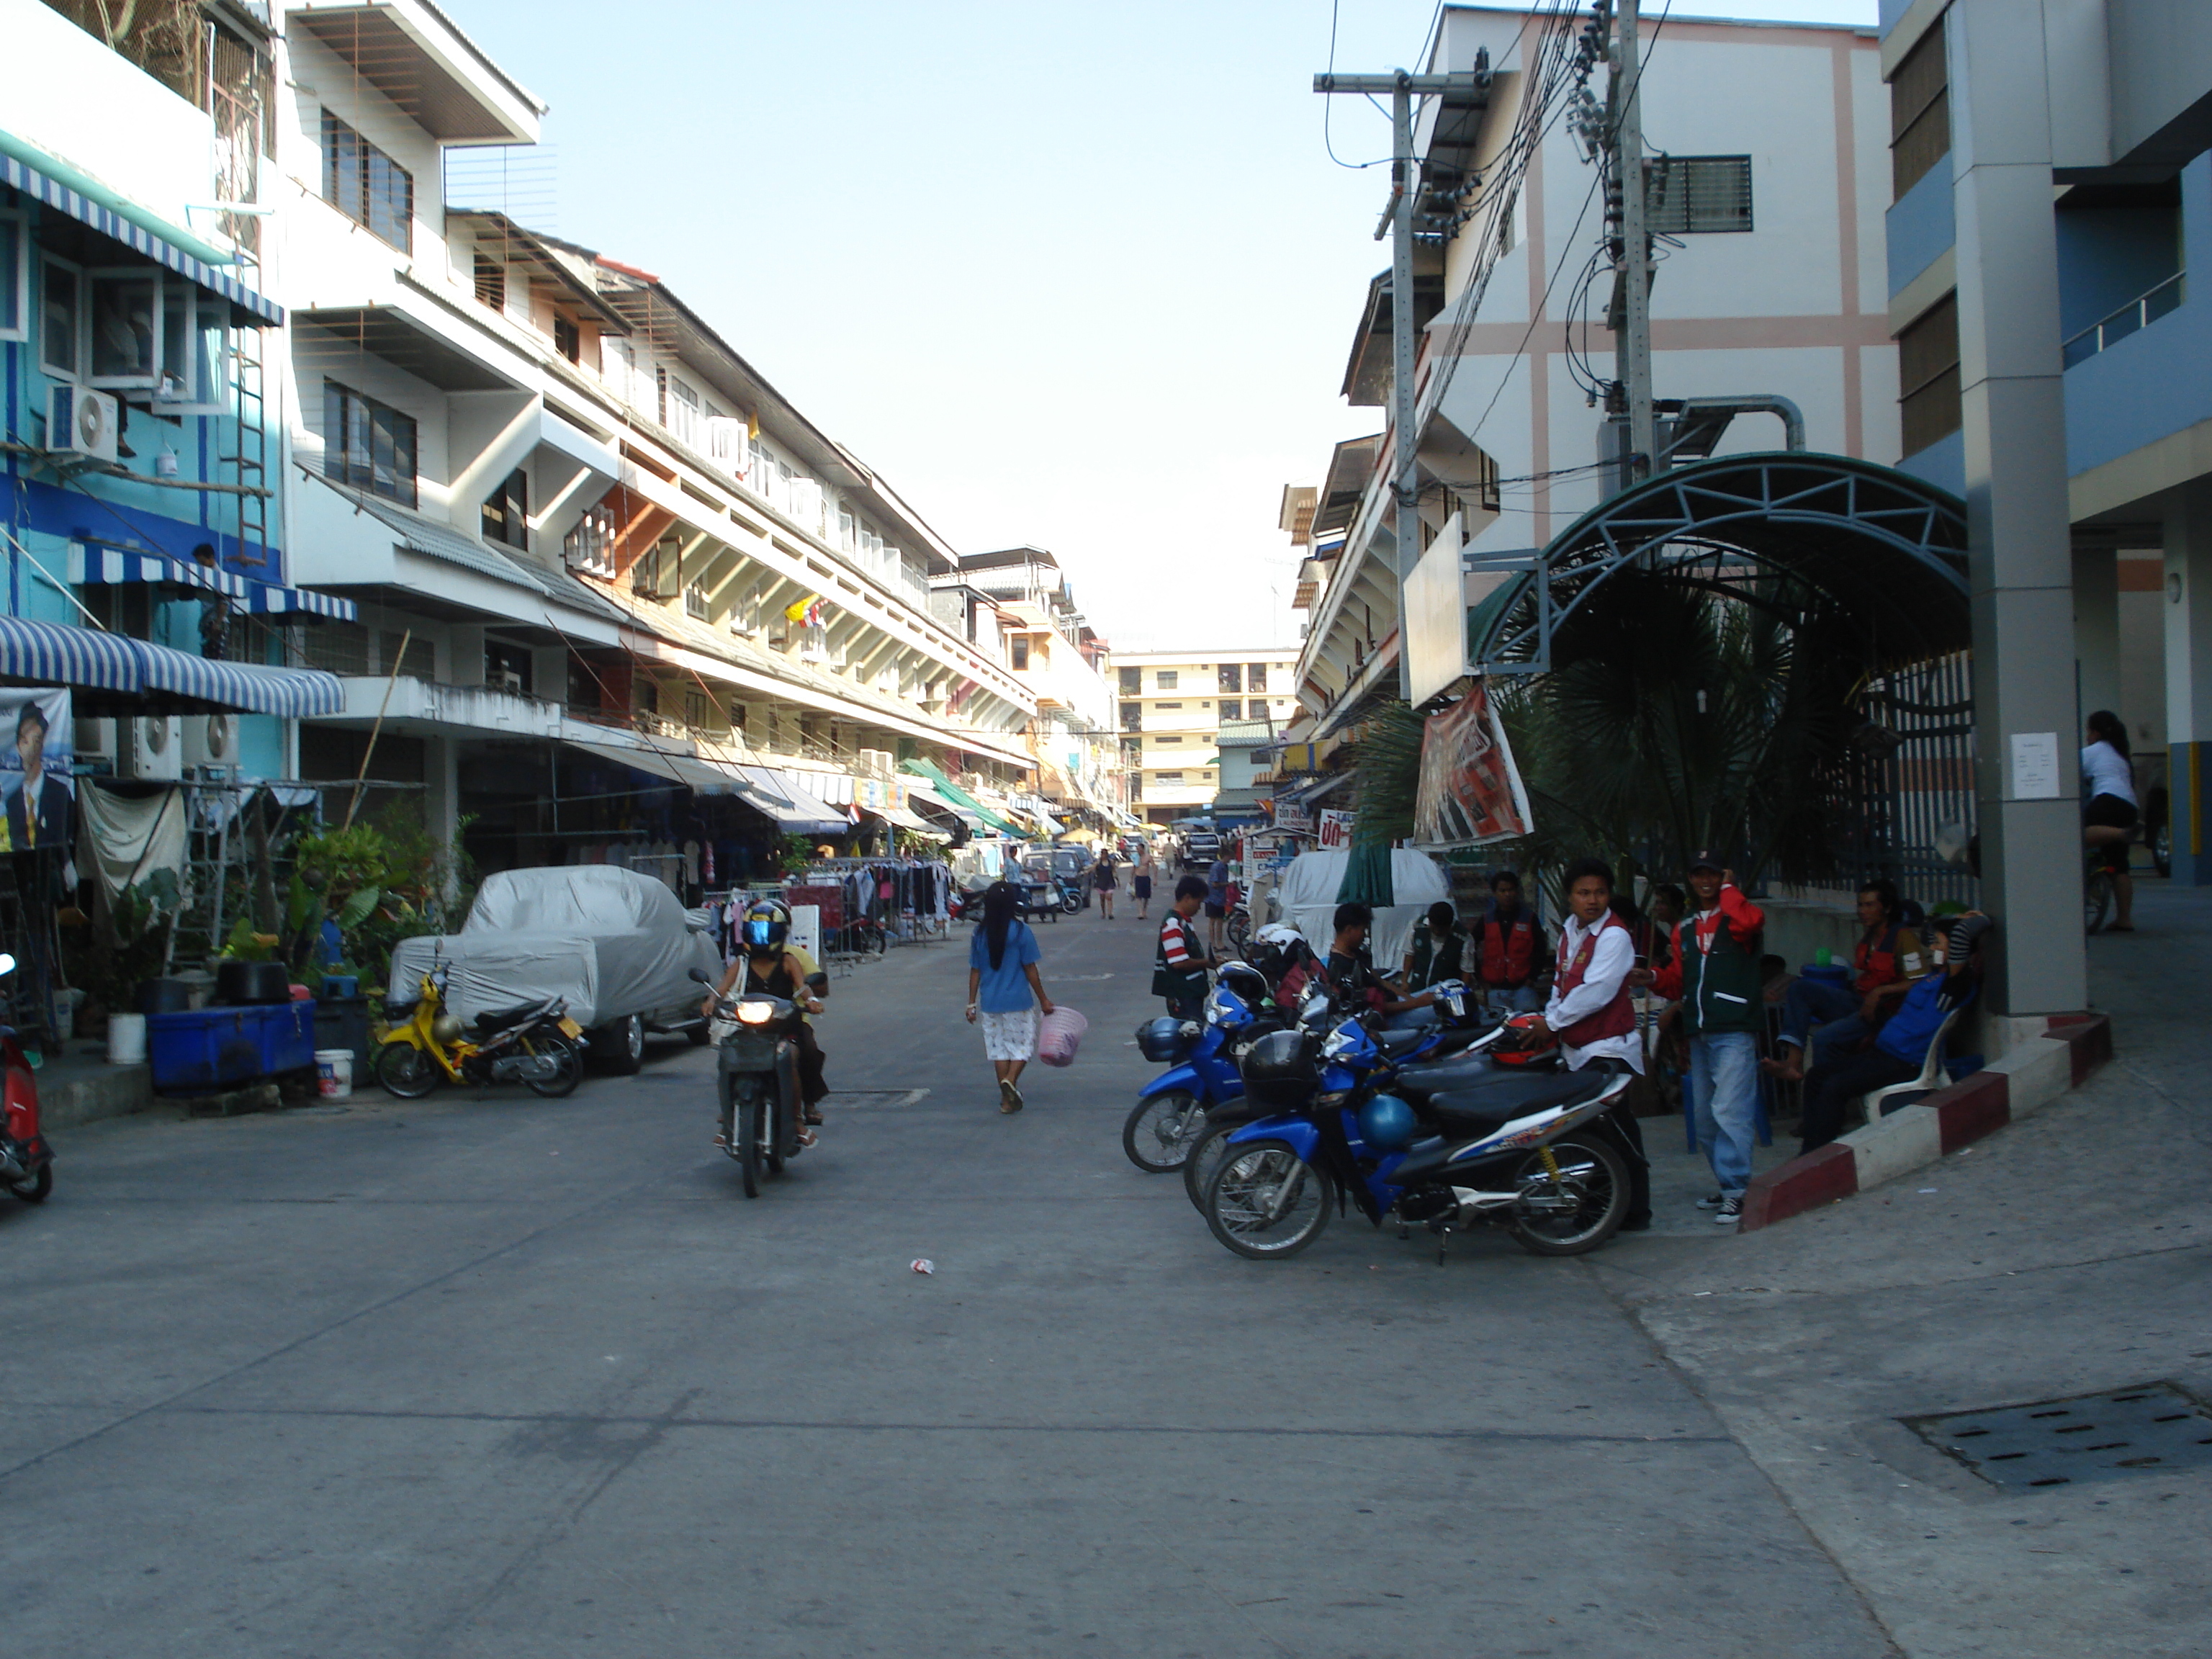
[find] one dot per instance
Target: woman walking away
(2110, 808)
(1140, 884)
(1002, 975)
(1101, 878)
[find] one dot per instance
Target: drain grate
(2091, 1437)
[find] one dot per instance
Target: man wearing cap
(1715, 974)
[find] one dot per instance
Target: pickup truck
(1201, 845)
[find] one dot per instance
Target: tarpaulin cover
(1307, 892)
(614, 942)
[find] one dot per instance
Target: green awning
(952, 791)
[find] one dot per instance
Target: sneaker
(1730, 1212)
(1714, 1202)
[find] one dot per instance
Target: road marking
(858, 1099)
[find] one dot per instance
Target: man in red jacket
(1510, 949)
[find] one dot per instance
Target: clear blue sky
(1080, 276)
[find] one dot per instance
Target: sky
(1083, 277)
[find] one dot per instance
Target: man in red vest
(1590, 1010)
(1510, 949)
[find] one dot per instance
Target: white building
(1171, 705)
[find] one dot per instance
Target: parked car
(1201, 843)
(614, 942)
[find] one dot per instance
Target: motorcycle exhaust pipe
(11, 1167)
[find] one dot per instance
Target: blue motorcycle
(1531, 1149)
(1202, 1059)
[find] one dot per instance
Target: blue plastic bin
(204, 1048)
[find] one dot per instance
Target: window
(1164, 738)
(568, 339)
(1206, 776)
(367, 445)
(1167, 777)
(1165, 681)
(506, 667)
(125, 314)
(1021, 646)
(491, 281)
(1130, 717)
(739, 715)
(1919, 113)
(506, 513)
(694, 710)
(590, 546)
(1688, 195)
(658, 572)
(61, 315)
(1255, 677)
(1232, 677)
(682, 414)
(1133, 681)
(195, 348)
(15, 278)
(1159, 706)
(1209, 704)
(1231, 710)
(1928, 376)
(367, 186)
(695, 604)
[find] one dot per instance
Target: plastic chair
(1931, 1076)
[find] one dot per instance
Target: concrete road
(494, 1375)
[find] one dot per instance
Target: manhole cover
(876, 1098)
(2091, 1437)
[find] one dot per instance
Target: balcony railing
(2138, 313)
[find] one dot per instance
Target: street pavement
(491, 1376)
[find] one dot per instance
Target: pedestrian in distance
(1714, 974)
(1005, 993)
(1590, 1012)
(1103, 878)
(1140, 885)
(2110, 810)
(1180, 963)
(1217, 903)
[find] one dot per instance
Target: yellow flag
(796, 610)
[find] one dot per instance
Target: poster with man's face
(35, 785)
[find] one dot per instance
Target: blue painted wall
(1920, 225)
(2108, 256)
(2158, 381)
(1942, 463)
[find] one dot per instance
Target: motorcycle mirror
(700, 974)
(7, 963)
(817, 981)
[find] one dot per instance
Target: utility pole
(1632, 345)
(1398, 223)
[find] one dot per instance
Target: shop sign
(1335, 829)
(36, 789)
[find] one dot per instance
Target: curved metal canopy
(1788, 531)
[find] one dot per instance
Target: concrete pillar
(441, 790)
(2097, 629)
(2187, 606)
(2013, 405)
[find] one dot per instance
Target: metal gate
(1916, 789)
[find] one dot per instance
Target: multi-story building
(1053, 651)
(1170, 709)
(605, 571)
(1766, 193)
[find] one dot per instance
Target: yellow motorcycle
(537, 1045)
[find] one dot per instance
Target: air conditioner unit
(83, 422)
(95, 745)
(150, 746)
(210, 740)
(877, 762)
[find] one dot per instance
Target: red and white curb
(2034, 1073)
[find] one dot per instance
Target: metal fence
(1914, 790)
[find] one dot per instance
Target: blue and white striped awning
(107, 222)
(50, 653)
(91, 564)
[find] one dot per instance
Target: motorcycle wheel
(776, 1128)
(1072, 903)
(1265, 1202)
(564, 1081)
(1240, 930)
(406, 1071)
(1158, 1134)
(1596, 1174)
(34, 1190)
(1203, 1159)
(745, 1125)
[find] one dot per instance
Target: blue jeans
(1725, 1096)
(1825, 1013)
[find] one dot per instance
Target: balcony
(2137, 314)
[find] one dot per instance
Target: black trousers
(1830, 1090)
(1622, 1116)
(811, 1088)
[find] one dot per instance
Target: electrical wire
(1328, 105)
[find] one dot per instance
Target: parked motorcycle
(1171, 1113)
(537, 1045)
(1529, 1150)
(757, 1080)
(27, 1163)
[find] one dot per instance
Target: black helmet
(1166, 1039)
(1281, 1071)
(766, 924)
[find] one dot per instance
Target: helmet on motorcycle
(766, 925)
(1521, 1045)
(1249, 984)
(447, 1028)
(1387, 1124)
(1281, 1071)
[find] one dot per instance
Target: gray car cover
(612, 941)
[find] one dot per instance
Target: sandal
(1010, 1097)
(806, 1137)
(812, 1116)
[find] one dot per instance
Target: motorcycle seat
(1425, 1077)
(1394, 1044)
(502, 1018)
(1467, 1114)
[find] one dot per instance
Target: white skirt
(1010, 1037)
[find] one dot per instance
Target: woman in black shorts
(2109, 808)
(1101, 878)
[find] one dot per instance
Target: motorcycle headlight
(756, 1013)
(1340, 1042)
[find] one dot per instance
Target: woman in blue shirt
(1005, 992)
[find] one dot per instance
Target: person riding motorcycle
(773, 966)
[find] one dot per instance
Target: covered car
(614, 943)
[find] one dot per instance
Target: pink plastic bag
(1057, 1034)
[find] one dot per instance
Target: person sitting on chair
(1900, 1049)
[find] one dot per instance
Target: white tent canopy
(1307, 893)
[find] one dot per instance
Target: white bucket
(334, 1072)
(126, 1039)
